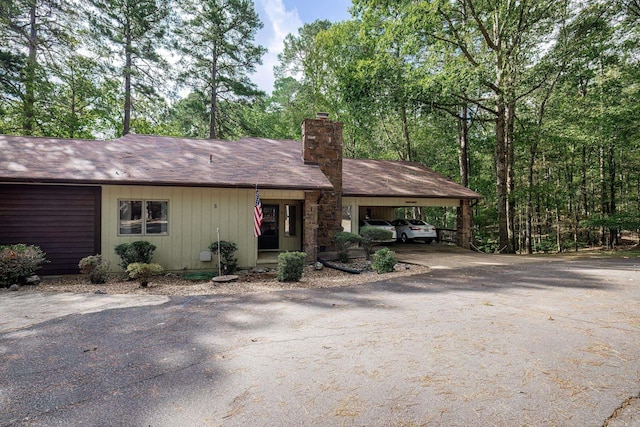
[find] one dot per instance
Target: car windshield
(417, 222)
(377, 222)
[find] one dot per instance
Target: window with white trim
(143, 217)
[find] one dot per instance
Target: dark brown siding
(63, 221)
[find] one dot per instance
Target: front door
(270, 230)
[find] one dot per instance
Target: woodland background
(532, 103)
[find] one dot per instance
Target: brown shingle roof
(158, 160)
(145, 159)
(386, 178)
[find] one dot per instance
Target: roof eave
(163, 183)
(413, 196)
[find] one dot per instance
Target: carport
(386, 185)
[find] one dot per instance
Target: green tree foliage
(216, 44)
(128, 34)
(302, 59)
(34, 36)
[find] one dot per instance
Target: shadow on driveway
(544, 343)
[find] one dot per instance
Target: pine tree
(131, 32)
(216, 41)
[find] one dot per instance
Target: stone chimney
(322, 146)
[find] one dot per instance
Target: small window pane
(157, 217)
(290, 220)
(346, 218)
(130, 217)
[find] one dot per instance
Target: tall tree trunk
(126, 124)
(502, 171)
(529, 216)
(583, 183)
(463, 145)
(612, 191)
(30, 74)
(405, 132)
(73, 123)
(612, 180)
(604, 203)
(558, 229)
(511, 209)
(213, 106)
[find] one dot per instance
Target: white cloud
(278, 23)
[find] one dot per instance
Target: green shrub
(344, 241)
(139, 251)
(18, 262)
(96, 267)
(371, 236)
(228, 261)
(143, 272)
(546, 246)
(291, 266)
(384, 261)
(486, 243)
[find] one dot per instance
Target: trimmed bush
(228, 261)
(384, 261)
(142, 272)
(96, 267)
(371, 236)
(18, 262)
(344, 241)
(291, 266)
(139, 251)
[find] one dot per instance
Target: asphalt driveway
(529, 343)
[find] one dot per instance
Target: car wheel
(404, 238)
(427, 241)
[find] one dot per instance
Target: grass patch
(200, 275)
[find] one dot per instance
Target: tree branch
(481, 26)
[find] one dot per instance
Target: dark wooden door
(63, 221)
(270, 230)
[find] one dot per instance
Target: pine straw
(173, 284)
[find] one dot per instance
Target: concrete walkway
(533, 343)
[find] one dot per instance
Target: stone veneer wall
(310, 242)
(464, 224)
(322, 145)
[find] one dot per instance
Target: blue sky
(281, 17)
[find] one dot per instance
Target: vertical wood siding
(195, 214)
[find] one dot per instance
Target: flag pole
(219, 250)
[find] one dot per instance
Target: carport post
(463, 232)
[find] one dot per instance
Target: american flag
(257, 215)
